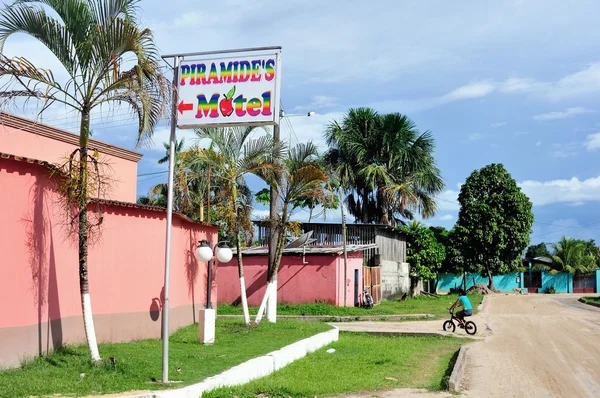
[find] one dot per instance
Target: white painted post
(206, 325)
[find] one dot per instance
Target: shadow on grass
(446, 379)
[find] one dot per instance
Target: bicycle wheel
(449, 326)
(470, 328)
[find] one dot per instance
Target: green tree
(301, 176)
(539, 250)
(572, 255)
(235, 155)
(424, 253)
(494, 222)
(91, 39)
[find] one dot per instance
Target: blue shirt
(464, 300)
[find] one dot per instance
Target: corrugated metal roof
(311, 250)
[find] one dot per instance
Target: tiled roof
(148, 207)
(34, 127)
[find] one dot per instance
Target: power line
(562, 229)
(154, 173)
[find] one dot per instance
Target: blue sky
(514, 82)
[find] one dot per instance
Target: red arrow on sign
(184, 107)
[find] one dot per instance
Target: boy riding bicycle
(467, 310)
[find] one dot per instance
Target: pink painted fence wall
(26, 138)
(321, 280)
(39, 283)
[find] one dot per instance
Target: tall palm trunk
(270, 297)
(365, 205)
(86, 304)
(238, 246)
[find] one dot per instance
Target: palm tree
(236, 155)
(570, 256)
(301, 176)
(387, 163)
(409, 180)
(353, 140)
(191, 183)
(91, 39)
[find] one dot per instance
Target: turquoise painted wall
(505, 283)
(562, 282)
(598, 281)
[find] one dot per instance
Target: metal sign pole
(165, 318)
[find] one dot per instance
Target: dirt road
(540, 346)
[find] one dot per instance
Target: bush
(551, 290)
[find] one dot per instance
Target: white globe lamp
(224, 254)
(204, 252)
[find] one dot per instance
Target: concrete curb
(252, 369)
(458, 372)
(329, 318)
(480, 307)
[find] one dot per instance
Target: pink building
(317, 276)
(39, 283)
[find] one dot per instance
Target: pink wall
(39, 281)
(322, 279)
(355, 262)
(23, 137)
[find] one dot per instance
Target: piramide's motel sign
(230, 90)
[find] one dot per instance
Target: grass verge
(595, 301)
(138, 363)
(361, 362)
(418, 305)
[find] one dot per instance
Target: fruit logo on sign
(226, 104)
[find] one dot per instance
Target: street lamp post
(206, 320)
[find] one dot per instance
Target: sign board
(229, 90)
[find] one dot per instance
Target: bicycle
(367, 301)
(449, 325)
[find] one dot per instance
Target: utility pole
(165, 314)
(273, 213)
(345, 251)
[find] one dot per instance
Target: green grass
(419, 305)
(140, 362)
(361, 362)
(591, 300)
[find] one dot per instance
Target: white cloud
(593, 142)
(260, 214)
(541, 193)
(307, 128)
(319, 102)
(563, 154)
(538, 144)
(581, 83)
(469, 91)
(567, 113)
(448, 200)
(567, 150)
(498, 124)
(562, 191)
(446, 217)
(475, 137)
